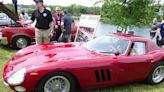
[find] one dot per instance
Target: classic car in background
(19, 36)
(112, 59)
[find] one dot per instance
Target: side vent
(97, 76)
(108, 74)
(102, 75)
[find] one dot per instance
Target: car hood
(54, 52)
(7, 11)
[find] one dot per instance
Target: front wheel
(20, 42)
(157, 74)
(57, 82)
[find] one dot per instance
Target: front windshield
(107, 44)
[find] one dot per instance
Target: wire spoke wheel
(57, 84)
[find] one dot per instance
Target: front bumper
(1, 38)
(26, 86)
(1, 35)
(16, 88)
(5, 83)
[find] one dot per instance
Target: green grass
(6, 53)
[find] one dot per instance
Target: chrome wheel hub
(158, 74)
(21, 43)
(57, 84)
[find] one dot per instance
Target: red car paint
(11, 32)
(83, 64)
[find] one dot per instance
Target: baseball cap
(38, 1)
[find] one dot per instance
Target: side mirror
(117, 53)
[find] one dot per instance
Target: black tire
(73, 86)
(150, 80)
(15, 39)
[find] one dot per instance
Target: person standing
(44, 22)
(154, 28)
(23, 15)
(66, 26)
(57, 17)
(160, 34)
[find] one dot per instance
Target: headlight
(17, 77)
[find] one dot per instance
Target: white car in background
(5, 20)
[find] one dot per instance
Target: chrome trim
(5, 83)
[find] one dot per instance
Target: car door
(136, 65)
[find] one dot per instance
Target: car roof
(151, 46)
(132, 37)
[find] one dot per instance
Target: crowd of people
(158, 29)
(48, 24)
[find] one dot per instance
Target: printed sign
(87, 28)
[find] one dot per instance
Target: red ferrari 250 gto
(108, 60)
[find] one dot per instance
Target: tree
(162, 9)
(128, 13)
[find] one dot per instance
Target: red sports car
(108, 60)
(20, 37)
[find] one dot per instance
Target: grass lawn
(6, 53)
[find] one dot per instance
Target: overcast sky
(60, 2)
(56, 2)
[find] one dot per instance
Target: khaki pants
(42, 36)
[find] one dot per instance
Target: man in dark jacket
(154, 26)
(160, 33)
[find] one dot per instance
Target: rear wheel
(157, 74)
(57, 82)
(20, 42)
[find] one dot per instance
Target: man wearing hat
(44, 23)
(58, 17)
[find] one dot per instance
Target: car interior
(138, 48)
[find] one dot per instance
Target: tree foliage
(128, 13)
(74, 10)
(162, 9)
(77, 10)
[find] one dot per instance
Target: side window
(139, 48)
